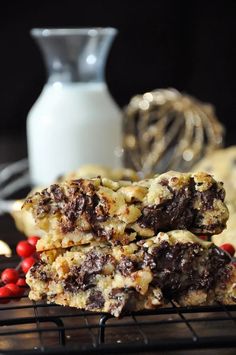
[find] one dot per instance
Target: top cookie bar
(79, 211)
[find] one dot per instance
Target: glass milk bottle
(75, 121)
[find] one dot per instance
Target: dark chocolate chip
(185, 266)
(175, 213)
(178, 212)
(81, 278)
(207, 197)
(126, 266)
(95, 300)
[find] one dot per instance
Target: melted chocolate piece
(85, 201)
(43, 276)
(37, 271)
(94, 262)
(81, 278)
(43, 207)
(124, 298)
(181, 267)
(207, 197)
(81, 198)
(127, 266)
(148, 260)
(178, 212)
(95, 300)
(57, 193)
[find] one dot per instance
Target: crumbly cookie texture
(143, 275)
(79, 211)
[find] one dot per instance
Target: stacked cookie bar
(124, 246)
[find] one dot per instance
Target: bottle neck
(75, 55)
(70, 74)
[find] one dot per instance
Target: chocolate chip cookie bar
(24, 220)
(143, 275)
(80, 211)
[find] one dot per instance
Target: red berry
(25, 249)
(16, 290)
(27, 263)
(33, 240)
(21, 282)
(5, 292)
(9, 275)
(229, 248)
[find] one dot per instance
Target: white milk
(70, 125)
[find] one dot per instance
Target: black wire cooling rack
(28, 327)
(32, 328)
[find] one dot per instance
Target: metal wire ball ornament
(165, 129)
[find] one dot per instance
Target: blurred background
(188, 45)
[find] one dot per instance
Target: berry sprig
(13, 280)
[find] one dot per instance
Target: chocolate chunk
(179, 212)
(78, 280)
(44, 207)
(218, 257)
(57, 193)
(207, 197)
(94, 262)
(39, 264)
(148, 260)
(86, 202)
(75, 207)
(126, 266)
(37, 271)
(95, 300)
(95, 212)
(117, 293)
(125, 299)
(82, 277)
(72, 210)
(185, 266)
(43, 276)
(81, 198)
(175, 213)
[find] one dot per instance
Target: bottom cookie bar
(142, 275)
